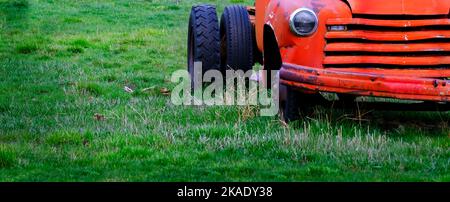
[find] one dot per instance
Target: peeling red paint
(363, 84)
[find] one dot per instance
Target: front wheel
(296, 104)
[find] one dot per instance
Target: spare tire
(203, 39)
(236, 39)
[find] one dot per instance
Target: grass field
(65, 116)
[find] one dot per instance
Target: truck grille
(386, 42)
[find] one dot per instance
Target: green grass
(64, 114)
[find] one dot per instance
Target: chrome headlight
(303, 22)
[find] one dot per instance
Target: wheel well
(348, 4)
(272, 56)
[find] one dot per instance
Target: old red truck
(381, 48)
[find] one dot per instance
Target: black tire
(347, 98)
(203, 39)
(291, 109)
(297, 105)
(236, 36)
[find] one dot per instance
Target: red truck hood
(400, 7)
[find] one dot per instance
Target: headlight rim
(292, 25)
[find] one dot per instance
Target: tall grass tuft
(8, 157)
(16, 4)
